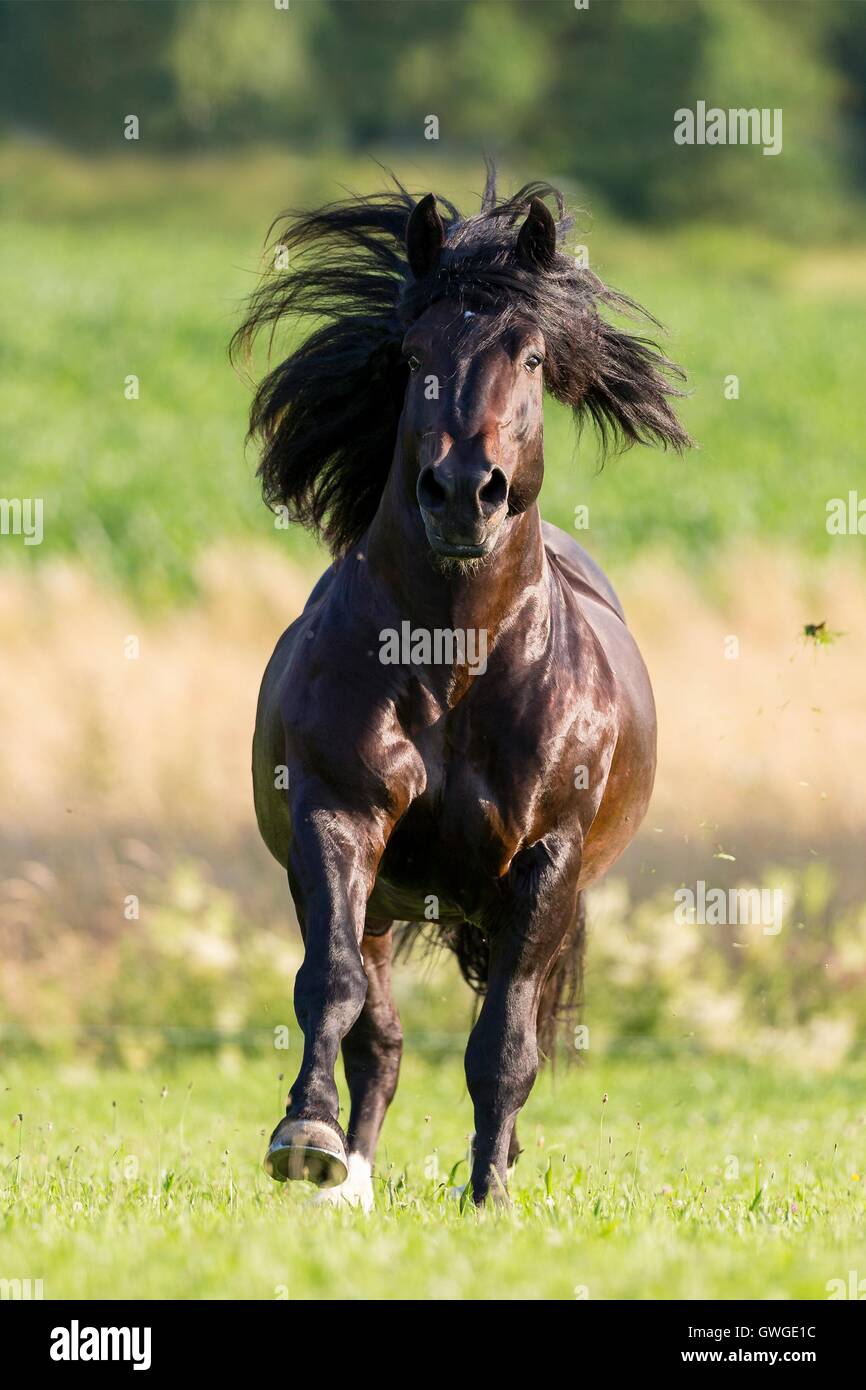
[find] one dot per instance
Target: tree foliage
(587, 95)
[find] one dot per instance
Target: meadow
(691, 1180)
(133, 267)
(138, 1076)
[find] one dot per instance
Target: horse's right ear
(536, 241)
(425, 237)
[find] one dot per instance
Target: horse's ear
(629, 395)
(536, 241)
(425, 237)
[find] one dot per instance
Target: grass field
(135, 267)
(694, 1180)
(727, 1160)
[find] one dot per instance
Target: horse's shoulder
(577, 564)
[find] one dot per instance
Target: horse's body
(481, 795)
(466, 810)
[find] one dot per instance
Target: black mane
(327, 416)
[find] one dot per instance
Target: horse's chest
(513, 761)
(460, 834)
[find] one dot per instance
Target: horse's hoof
(308, 1151)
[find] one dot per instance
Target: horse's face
(472, 427)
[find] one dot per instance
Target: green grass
(132, 266)
(738, 1182)
(741, 1179)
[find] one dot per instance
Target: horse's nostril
(431, 494)
(494, 493)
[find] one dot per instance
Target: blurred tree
(755, 57)
(587, 95)
(846, 31)
(243, 72)
(613, 92)
(627, 66)
(484, 75)
(365, 49)
(74, 70)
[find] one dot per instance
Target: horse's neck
(510, 583)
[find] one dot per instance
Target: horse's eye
(533, 360)
(412, 362)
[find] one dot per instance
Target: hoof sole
(306, 1151)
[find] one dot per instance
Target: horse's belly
(442, 857)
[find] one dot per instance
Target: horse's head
(506, 313)
(442, 335)
(471, 429)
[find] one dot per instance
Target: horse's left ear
(536, 241)
(425, 237)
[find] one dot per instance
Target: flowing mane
(327, 415)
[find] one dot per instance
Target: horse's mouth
(463, 552)
(460, 547)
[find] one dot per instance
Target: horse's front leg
(332, 866)
(372, 1049)
(502, 1054)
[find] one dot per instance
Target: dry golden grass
(772, 740)
(164, 737)
(132, 777)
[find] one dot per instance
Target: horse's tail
(562, 996)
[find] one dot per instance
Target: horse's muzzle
(462, 509)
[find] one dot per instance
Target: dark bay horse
(459, 727)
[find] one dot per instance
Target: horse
(406, 431)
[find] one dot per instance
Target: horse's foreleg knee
(330, 990)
